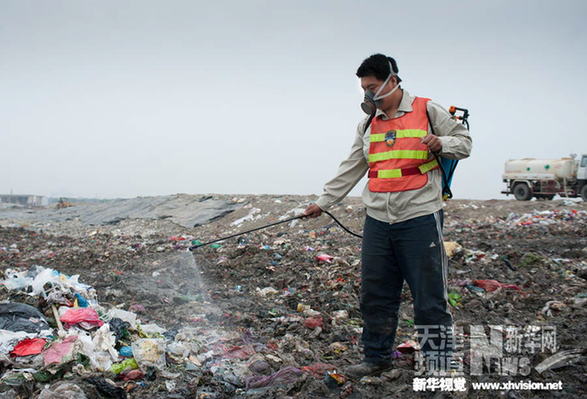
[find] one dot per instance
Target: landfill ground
(260, 316)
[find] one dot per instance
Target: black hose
(342, 226)
(269, 225)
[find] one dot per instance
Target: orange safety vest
(398, 161)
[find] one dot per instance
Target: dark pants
(413, 251)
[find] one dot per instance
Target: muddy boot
(363, 369)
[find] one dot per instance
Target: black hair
(377, 65)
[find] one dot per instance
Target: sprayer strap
(446, 191)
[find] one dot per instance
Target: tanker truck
(544, 178)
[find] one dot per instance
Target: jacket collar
(405, 105)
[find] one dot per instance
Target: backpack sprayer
(448, 166)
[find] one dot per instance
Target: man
(402, 235)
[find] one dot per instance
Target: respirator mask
(373, 100)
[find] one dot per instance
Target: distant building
(24, 200)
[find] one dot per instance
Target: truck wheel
(522, 192)
(584, 192)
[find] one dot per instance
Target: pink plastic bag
(324, 258)
(87, 316)
(59, 352)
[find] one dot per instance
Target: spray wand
(273, 224)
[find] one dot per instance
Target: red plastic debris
(408, 346)
(314, 322)
(177, 238)
(239, 352)
(28, 347)
(318, 369)
(273, 345)
(492, 285)
(132, 375)
(88, 316)
(324, 258)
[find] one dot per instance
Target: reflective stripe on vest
(395, 173)
(398, 154)
(398, 161)
(379, 137)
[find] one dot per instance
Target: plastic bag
(324, 258)
(60, 352)
(128, 364)
(107, 389)
(104, 340)
(98, 360)
(124, 315)
(62, 390)
(492, 285)
(149, 352)
(88, 317)
(21, 317)
(28, 347)
(9, 339)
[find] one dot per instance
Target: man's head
(379, 80)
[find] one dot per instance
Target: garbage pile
(273, 314)
(71, 338)
(547, 217)
(79, 342)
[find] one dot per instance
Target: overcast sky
(128, 98)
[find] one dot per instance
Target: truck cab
(582, 169)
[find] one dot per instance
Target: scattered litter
(324, 258)
(318, 369)
(149, 352)
(314, 322)
(559, 360)
(552, 305)
(60, 351)
(86, 318)
(261, 311)
(62, 390)
(409, 346)
(21, 317)
(29, 346)
(492, 285)
(107, 388)
(286, 375)
(266, 291)
(128, 364)
(452, 248)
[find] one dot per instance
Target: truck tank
(564, 168)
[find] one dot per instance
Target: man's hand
(312, 211)
(433, 142)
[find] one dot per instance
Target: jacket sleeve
(350, 171)
(454, 136)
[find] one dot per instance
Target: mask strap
(391, 73)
